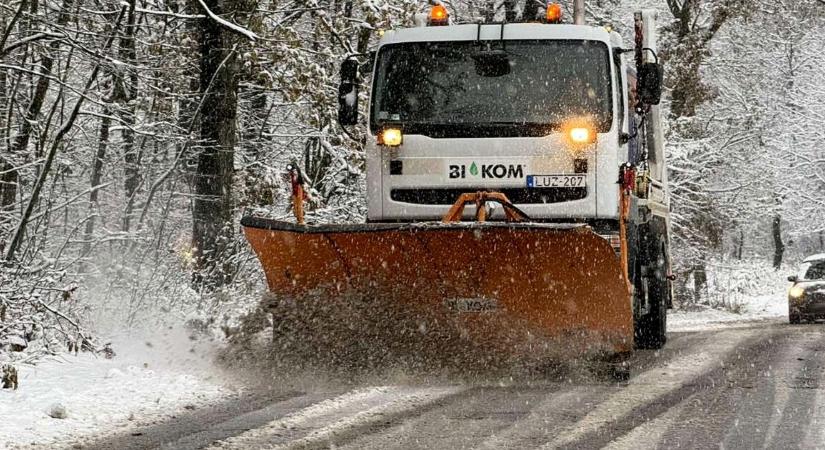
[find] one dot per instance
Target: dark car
(806, 298)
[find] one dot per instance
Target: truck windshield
(515, 88)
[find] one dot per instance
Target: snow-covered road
(165, 389)
(744, 387)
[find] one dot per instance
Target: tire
(651, 328)
(794, 319)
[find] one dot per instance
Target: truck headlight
(391, 137)
(582, 135)
(796, 292)
(579, 132)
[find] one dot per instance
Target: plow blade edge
(504, 284)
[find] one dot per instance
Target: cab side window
(620, 106)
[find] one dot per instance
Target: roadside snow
(754, 309)
(742, 293)
(146, 381)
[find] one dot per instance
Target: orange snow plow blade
(501, 283)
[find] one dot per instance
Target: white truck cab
(541, 112)
(465, 127)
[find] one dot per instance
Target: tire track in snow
(339, 417)
(649, 435)
(816, 428)
(244, 422)
(516, 416)
(467, 419)
(197, 428)
(786, 396)
(756, 403)
(758, 386)
(775, 407)
(653, 392)
(543, 413)
(551, 414)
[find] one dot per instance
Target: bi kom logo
(487, 171)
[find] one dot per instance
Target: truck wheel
(794, 319)
(651, 328)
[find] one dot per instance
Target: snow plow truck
(516, 185)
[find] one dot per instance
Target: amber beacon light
(553, 13)
(438, 16)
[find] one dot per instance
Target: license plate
(556, 181)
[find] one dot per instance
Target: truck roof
(512, 31)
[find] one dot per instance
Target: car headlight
(796, 292)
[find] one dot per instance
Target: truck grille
(519, 196)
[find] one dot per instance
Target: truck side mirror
(650, 78)
(793, 278)
(348, 93)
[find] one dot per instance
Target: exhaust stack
(578, 12)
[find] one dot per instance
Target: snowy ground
(155, 376)
(743, 293)
(146, 381)
(754, 309)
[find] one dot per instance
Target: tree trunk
(741, 245)
(692, 36)
(212, 216)
(700, 281)
(126, 88)
(7, 192)
(17, 239)
(687, 89)
(8, 174)
(776, 225)
(779, 246)
(9, 178)
(97, 175)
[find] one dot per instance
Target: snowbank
(753, 309)
(744, 292)
(145, 381)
